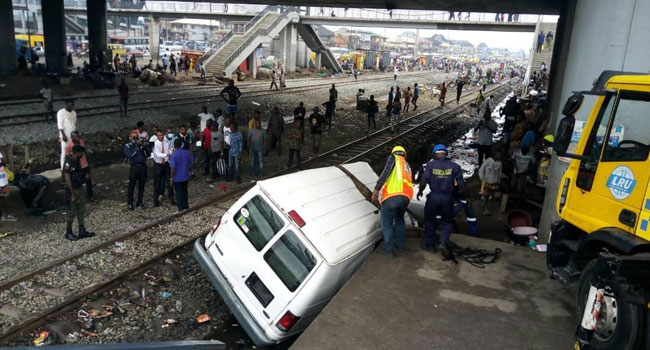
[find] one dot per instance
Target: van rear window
(290, 260)
(258, 222)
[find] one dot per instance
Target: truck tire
(621, 324)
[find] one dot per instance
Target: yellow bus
(33, 39)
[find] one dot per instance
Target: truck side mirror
(563, 135)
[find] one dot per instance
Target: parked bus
(131, 43)
(34, 40)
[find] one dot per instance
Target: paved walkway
(417, 301)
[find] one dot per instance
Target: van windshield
(258, 222)
(290, 260)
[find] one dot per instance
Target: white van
(284, 249)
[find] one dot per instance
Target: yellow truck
(603, 237)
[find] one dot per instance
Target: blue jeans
(438, 205)
(392, 210)
(234, 170)
(257, 167)
(472, 224)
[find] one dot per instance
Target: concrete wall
(604, 35)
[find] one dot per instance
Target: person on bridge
(540, 41)
(396, 185)
(66, 120)
(74, 178)
(443, 177)
(231, 94)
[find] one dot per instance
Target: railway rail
(197, 94)
(177, 239)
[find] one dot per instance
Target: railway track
(163, 99)
(53, 288)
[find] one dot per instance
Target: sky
(511, 41)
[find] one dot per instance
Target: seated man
(32, 188)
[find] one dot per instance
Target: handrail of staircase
(258, 32)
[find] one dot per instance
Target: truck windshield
(290, 260)
(258, 222)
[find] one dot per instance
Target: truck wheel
(620, 324)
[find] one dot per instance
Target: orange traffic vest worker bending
(396, 185)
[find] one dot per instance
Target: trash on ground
(203, 318)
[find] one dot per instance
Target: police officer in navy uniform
(444, 177)
(136, 152)
(74, 178)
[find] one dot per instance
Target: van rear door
(255, 244)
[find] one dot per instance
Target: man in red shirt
(206, 138)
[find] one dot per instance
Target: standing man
(116, 63)
(275, 130)
(123, 90)
(75, 139)
(486, 128)
(443, 94)
(540, 40)
(165, 62)
(66, 120)
(160, 157)
(329, 112)
(459, 89)
(216, 149)
(181, 164)
(416, 95)
(316, 122)
(274, 80)
(231, 94)
(206, 145)
(395, 71)
(443, 177)
(204, 116)
(389, 106)
(299, 117)
(295, 145)
(74, 179)
(396, 185)
(46, 95)
(136, 152)
(334, 94)
(372, 111)
(172, 65)
(257, 145)
(236, 147)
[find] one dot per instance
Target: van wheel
(620, 324)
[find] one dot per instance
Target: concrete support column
(154, 38)
(96, 11)
(252, 64)
(54, 35)
(318, 60)
(8, 53)
(282, 52)
(291, 47)
(585, 51)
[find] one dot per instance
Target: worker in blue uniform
(443, 177)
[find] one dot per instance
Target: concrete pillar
(585, 51)
(291, 47)
(96, 11)
(318, 60)
(8, 53)
(282, 52)
(416, 46)
(54, 35)
(154, 38)
(252, 64)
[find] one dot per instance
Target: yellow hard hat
(398, 149)
(550, 138)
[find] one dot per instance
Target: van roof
(338, 219)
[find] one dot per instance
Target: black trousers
(206, 158)
(137, 174)
(161, 173)
(483, 151)
(214, 158)
(181, 195)
(298, 158)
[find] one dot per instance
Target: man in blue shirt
(181, 164)
(443, 177)
(136, 152)
(236, 146)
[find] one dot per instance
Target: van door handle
(627, 217)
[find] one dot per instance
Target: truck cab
(603, 237)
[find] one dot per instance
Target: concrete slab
(417, 301)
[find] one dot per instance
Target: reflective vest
(399, 182)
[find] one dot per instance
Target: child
(490, 175)
(523, 158)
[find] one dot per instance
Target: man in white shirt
(204, 116)
(46, 95)
(161, 171)
(66, 121)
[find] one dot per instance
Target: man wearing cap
(443, 177)
(136, 152)
(396, 185)
(74, 177)
(66, 120)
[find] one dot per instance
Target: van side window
(258, 222)
(290, 260)
(629, 137)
